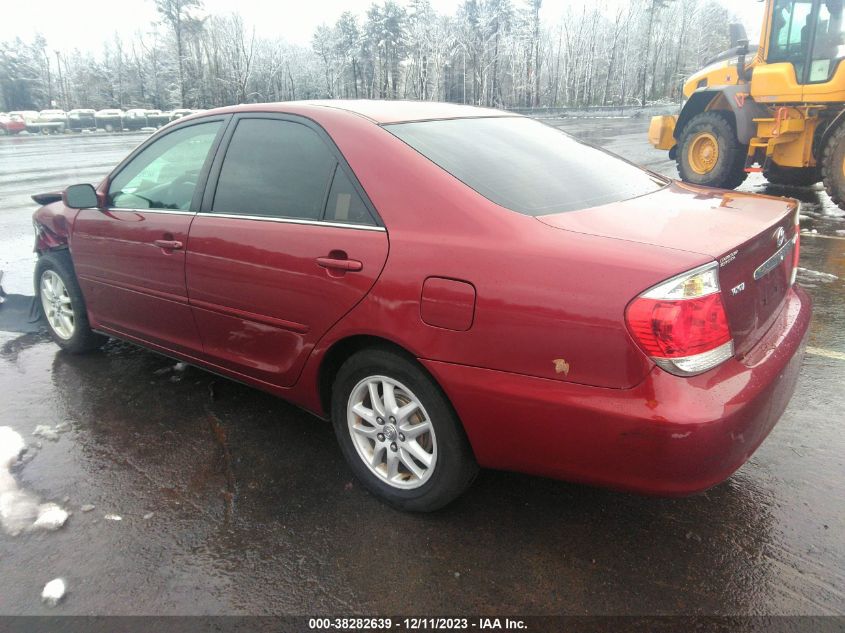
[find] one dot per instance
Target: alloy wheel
(392, 432)
(57, 305)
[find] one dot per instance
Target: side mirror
(80, 197)
(737, 34)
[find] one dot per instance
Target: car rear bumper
(667, 436)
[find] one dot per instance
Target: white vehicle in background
(109, 119)
(51, 121)
(181, 112)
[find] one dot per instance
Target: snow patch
(50, 432)
(11, 446)
(50, 517)
(113, 517)
(54, 591)
(20, 511)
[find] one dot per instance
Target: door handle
(168, 245)
(351, 265)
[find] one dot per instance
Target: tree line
(500, 53)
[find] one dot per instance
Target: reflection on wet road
(234, 502)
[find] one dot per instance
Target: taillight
(681, 323)
(796, 246)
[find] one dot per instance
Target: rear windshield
(525, 165)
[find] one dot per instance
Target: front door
(782, 77)
(130, 256)
(285, 246)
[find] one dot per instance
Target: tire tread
(733, 174)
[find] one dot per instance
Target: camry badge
(780, 236)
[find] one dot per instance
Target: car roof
(380, 112)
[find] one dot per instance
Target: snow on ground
(54, 591)
(50, 432)
(20, 510)
(50, 517)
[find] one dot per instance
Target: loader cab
(802, 45)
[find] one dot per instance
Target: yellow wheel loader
(778, 107)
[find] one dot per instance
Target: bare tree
(177, 14)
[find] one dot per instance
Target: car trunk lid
(740, 231)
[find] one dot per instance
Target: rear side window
(275, 168)
(524, 165)
(344, 204)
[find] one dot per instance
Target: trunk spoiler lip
(47, 198)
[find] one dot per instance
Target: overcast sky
(86, 24)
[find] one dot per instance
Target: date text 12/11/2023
(415, 624)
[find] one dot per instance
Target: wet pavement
(231, 501)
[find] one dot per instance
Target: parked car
(135, 119)
(11, 124)
(182, 112)
(110, 119)
(30, 118)
(157, 118)
(52, 121)
(81, 119)
(453, 286)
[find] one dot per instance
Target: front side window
(790, 32)
(524, 165)
(829, 46)
(275, 168)
(165, 174)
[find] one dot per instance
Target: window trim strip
(260, 218)
(266, 218)
(160, 211)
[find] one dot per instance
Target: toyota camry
(453, 287)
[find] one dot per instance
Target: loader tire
(833, 167)
(709, 153)
(792, 176)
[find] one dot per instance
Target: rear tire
(709, 152)
(833, 167)
(383, 441)
(63, 305)
(792, 176)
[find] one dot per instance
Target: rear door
(130, 255)
(285, 245)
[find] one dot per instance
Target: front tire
(833, 167)
(399, 433)
(709, 152)
(63, 305)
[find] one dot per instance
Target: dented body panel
(54, 223)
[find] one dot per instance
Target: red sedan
(454, 287)
(11, 124)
